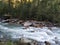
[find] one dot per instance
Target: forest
(42, 10)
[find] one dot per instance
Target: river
(16, 31)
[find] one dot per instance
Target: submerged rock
(47, 43)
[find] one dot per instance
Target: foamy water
(38, 34)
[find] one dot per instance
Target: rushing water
(40, 34)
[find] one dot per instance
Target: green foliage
(38, 10)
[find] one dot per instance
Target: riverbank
(32, 22)
(7, 19)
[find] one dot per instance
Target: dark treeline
(42, 10)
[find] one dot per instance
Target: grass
(11, 43)
(6, 43)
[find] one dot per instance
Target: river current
(16, 31)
